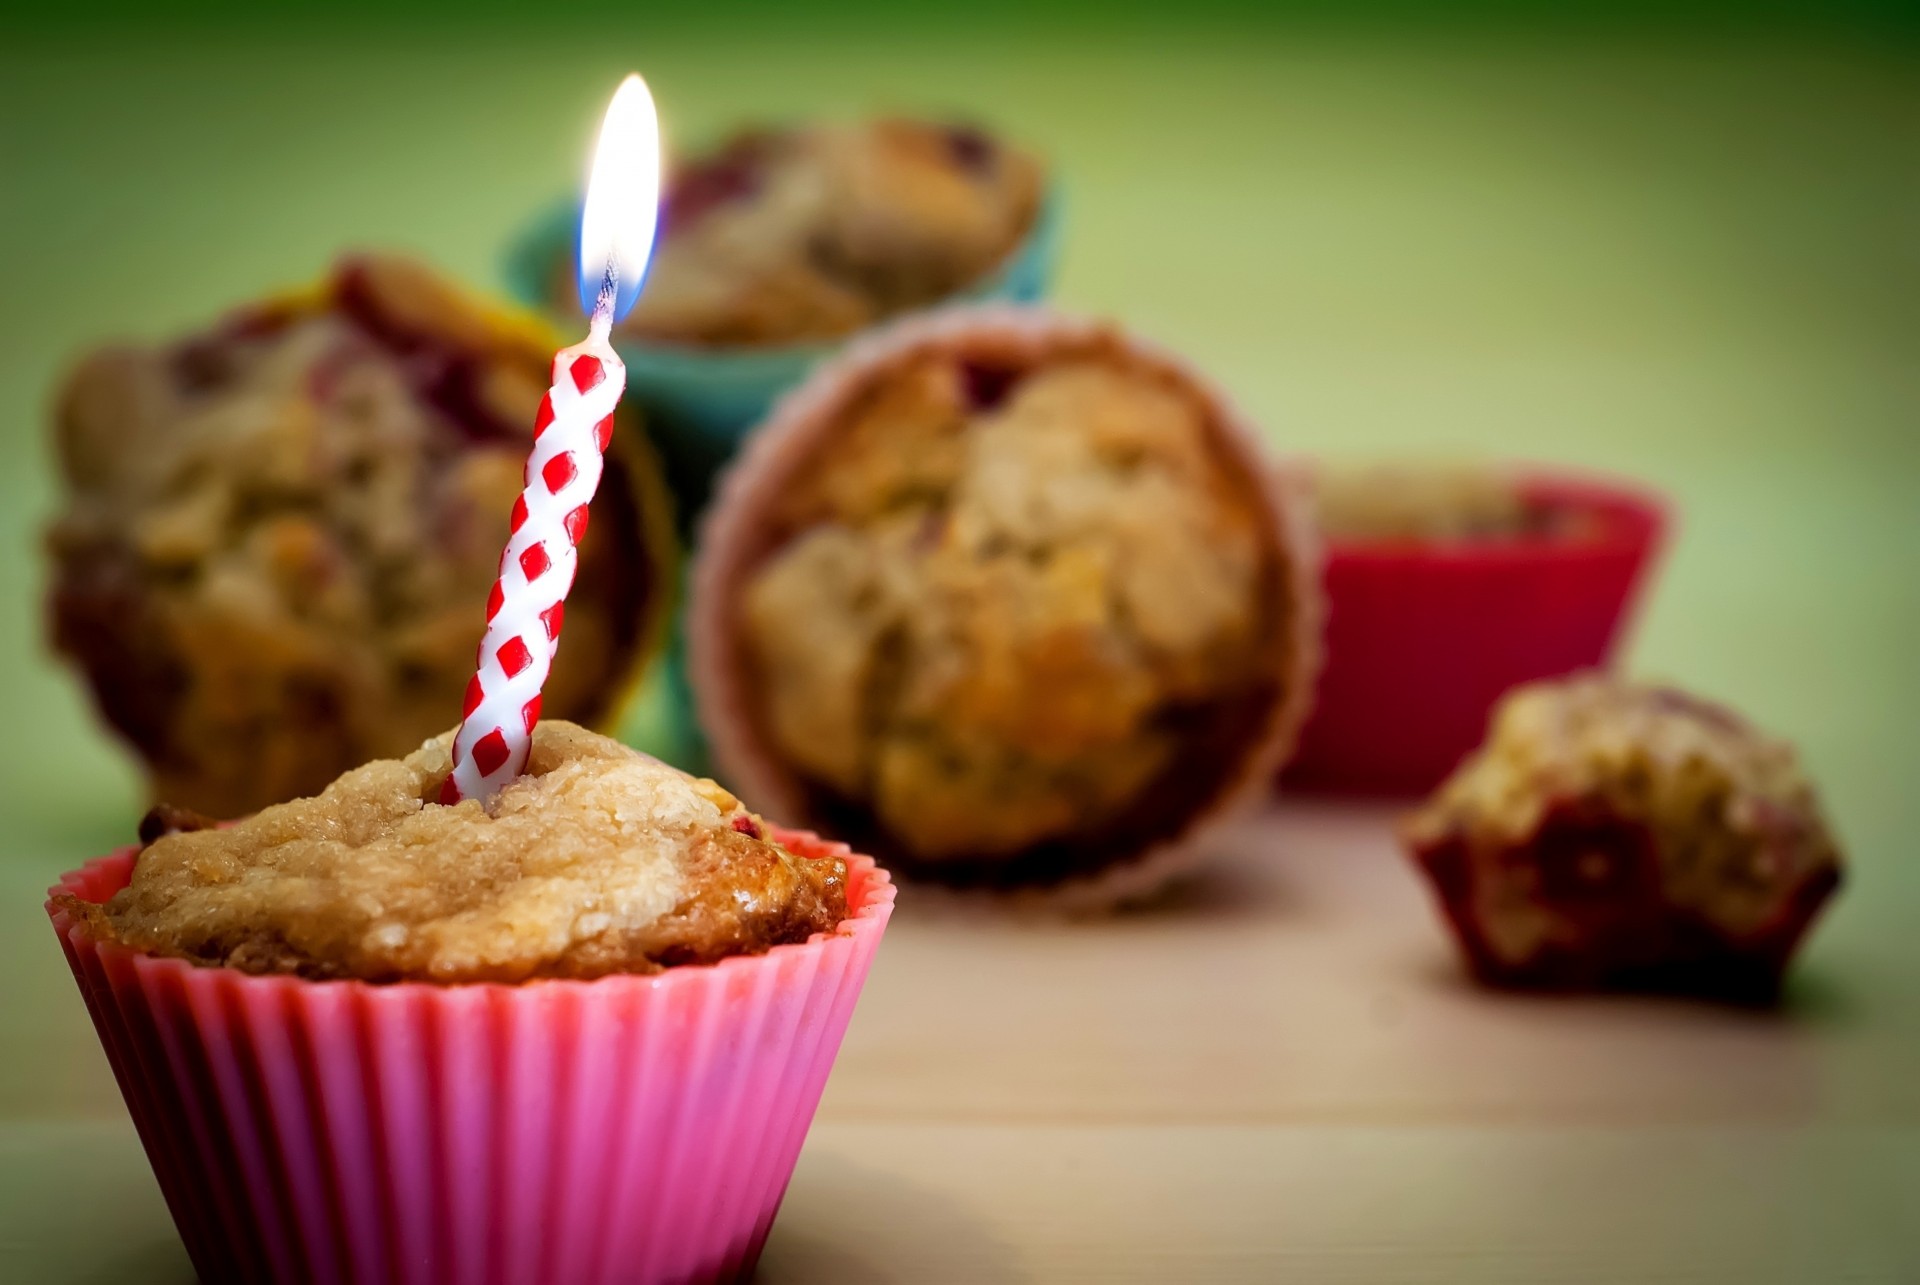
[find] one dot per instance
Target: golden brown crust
(279, 534)
(599, 860)
(1007, 598)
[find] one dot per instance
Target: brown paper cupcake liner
(734, 539)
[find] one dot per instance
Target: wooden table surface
(1690, 262)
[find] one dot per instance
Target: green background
(1681, 246)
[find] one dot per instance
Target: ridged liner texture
(733, 541)
(625, 1129)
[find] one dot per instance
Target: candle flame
(622, 207)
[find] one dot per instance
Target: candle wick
(602, 319)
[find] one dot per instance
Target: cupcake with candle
(1009, 598)
(779, 243)
(574, 1034)
(277, 534)
(525, 1005)
(1447, 585)
(1616, 834)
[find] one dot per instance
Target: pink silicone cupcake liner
(1422, 640)
(629, 1129)
(733, 540)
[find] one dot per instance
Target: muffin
(597, 860)
(1615, 834)
(1422, 504)
(778, 245)
(578, 1036)
(1010, 599)
(277, 534)
(786, 236)
(1448, 585)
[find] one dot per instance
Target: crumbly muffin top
(1399, 503)
(598, 860)
(279, 535)
(783, 236)
(1009, 609)
(1734, 823)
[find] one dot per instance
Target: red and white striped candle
(575, 423)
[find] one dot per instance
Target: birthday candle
(527, 606)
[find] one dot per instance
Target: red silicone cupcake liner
(1423, 639)
(630, 1129)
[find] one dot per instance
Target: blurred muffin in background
(1610, 833)
(1437, 503)
(1009, 597)
(1418, 503)
(1446, 586)
(786, 236)
(278, 535)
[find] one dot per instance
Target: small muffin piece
(279, 534)
(1616, 834)
(598, 860)
(787, 236)
(1016, 606)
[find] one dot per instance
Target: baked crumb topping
(1013, 610)
(599, 860)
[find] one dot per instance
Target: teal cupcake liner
(701, 403)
